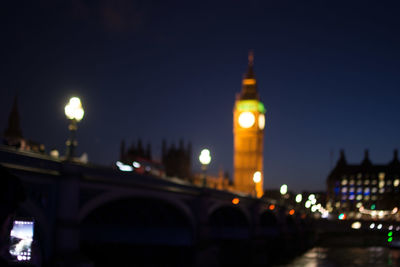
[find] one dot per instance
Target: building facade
(248, 132)
(367, 190)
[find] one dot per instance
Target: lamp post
(74, 112)
(283, 190)
(205, 159)
(257, 180)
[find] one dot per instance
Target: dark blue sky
(327, 72)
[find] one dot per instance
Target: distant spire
(395, 157)
(249, 87)
(250, 69)
(342, 158)
(13, 130)
(366, 160)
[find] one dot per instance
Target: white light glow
(122, 167)
(284, 189)
(205, 157)
(356, 225)
(136, 164)
(74, 110)
(311, 197)
(307, 204)
(246, 119)
(299, 198)
(372, 226)
(379, 226)
(257, 177)
(314, 208)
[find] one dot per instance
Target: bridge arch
(108, 197)
(136, 227)
(218, 206)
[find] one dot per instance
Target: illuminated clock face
(261, 121)
(246, 119)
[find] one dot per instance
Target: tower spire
(250, 70)
(13, 131)
(249, 86)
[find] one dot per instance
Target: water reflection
(352, 256)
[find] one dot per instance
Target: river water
(347, 256)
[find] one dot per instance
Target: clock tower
(248, 135)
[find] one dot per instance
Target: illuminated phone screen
(21, 238)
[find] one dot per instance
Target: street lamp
(257, 180)
(205, 159)
(74, 112)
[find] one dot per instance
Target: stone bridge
(89, 214)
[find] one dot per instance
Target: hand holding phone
(21, 238)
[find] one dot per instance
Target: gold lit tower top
(248, 130)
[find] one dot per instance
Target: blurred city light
(73, 110)
(314, 208)
(284, 189)
(257, 177)
(122, 167)
(372, 226)
(205, 157)
(271, 207)
(299, 198)
(342, 216)
(356, 225)
(307, 204)
(136, 164)
(235, 201)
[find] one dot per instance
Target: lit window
(374, 190)
(337, 204)
(396, 182)
(374, 198)
(344, 189)
(359, 197)
(381, 175)
(366, 190)
(359, 204)
(351, 182)
(351, 197)
(366, 182)
(359, 190)
(381, 184)
(352, 189)
(344, 182)
(344, 197)
(382, 190)
(366, 197)
(359, 182)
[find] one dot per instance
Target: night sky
(327, 72)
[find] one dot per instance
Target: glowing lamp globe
(73, 110)
(205, 157)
